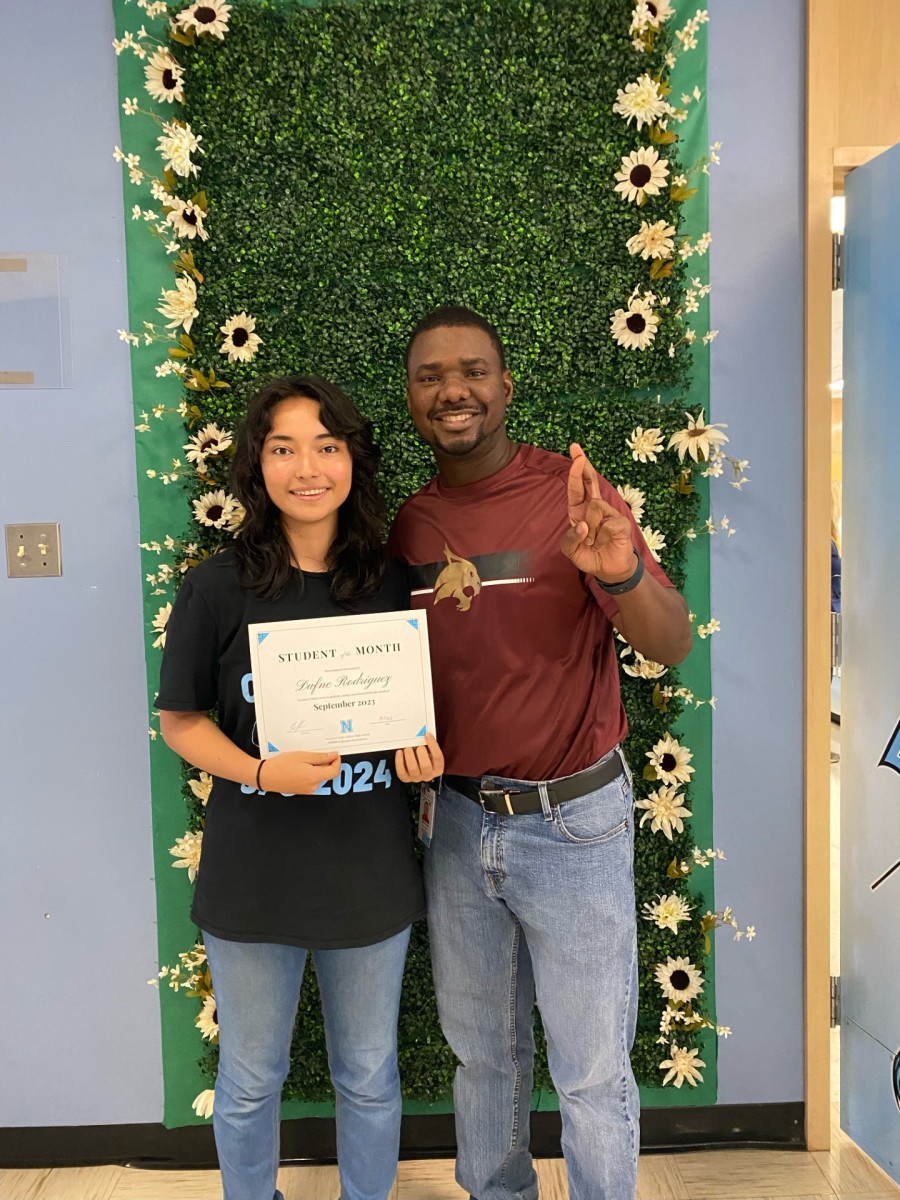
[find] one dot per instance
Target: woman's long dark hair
(261, 548)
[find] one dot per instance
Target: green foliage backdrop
(364, 163)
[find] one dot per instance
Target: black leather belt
(510, 801)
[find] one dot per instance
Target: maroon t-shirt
(523, 652)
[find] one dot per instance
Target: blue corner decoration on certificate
(352, 684)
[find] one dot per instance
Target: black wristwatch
(619, 589)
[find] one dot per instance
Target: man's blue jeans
(538, 905)
(257, 987)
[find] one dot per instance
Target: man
(525, 560)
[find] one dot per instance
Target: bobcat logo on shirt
(458, 575)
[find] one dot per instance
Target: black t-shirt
(324, 871)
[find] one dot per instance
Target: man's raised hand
(599, 541)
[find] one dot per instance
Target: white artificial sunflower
(208, 1019)
(683, 1065)
(664, 811)
(203, 1104)
(206, 16)
(699, 439)
(667, 911)
(187, 851)
(215, 509)
(653, 241)
(641, 102)
(643, 174)
(176, 145)
(241, 343)
(186, 218)
(180, 304)
(679, 979)
(634, 498)
(236, 517)
(644, 444)
(671, 761)
(655, 541)
(164, 78)
(160, 621)
(634, 327)
(206, 444)
(644, 668)
(652, 13)
(202, 787)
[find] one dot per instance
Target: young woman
(289, 865)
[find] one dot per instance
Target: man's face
(456, 391)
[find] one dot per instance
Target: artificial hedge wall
(366, 162)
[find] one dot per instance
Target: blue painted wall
(79, 1039)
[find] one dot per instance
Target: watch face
(895, 1077)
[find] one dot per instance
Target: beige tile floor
(843, 1173)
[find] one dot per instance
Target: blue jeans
(538, 905)
(257, 988)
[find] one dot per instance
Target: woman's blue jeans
(257, 989)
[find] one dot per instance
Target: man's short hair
(454, 314)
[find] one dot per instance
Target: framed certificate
(352, 684)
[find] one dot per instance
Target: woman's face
(307, 470)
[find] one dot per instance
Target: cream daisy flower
(236, 519)
(667, 912)
(679, 979)
(643, 174)
(202, 787)
(186, 218)
(634, 498)
(215, 509)
(206, 444)
(180, 304)
(176, 145)
(644, 668)
(641, 102)
(634, 327)
(203, 1104)
(682, 1066)
(655, 12)
(699, 439)
(164, 78)
(644, 444)
(664, 811)
(241, 343)
(187, 850)
(653, 241)
(206, 16)
(655, 541)
(208, 1019)
(671, 760)
(160, 621)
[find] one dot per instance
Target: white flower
(130, 107)
(208, 1019)
(655, 541)
(671, 761)
(160, 621)
(664, 810)
(187, 850)
(241, 343)
(667, 912)
(176, 145)
(651, 13)
(206, 16)
(644, 668)
(699, 439)
(645, 444)
(208, 442)
(186, 218)
(203, 1104)
(164, 78)
(641, 102)
(705, 630)
(634, 327)
(634, 498)
(202, 787)
(643, 174)
(679, 979)
(215, 509)
(653, 241)
(683, 1065)
(180, 304)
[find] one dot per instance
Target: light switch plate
(33, 550)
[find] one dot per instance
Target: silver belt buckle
(482, 792)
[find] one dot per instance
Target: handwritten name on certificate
(352, 684)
